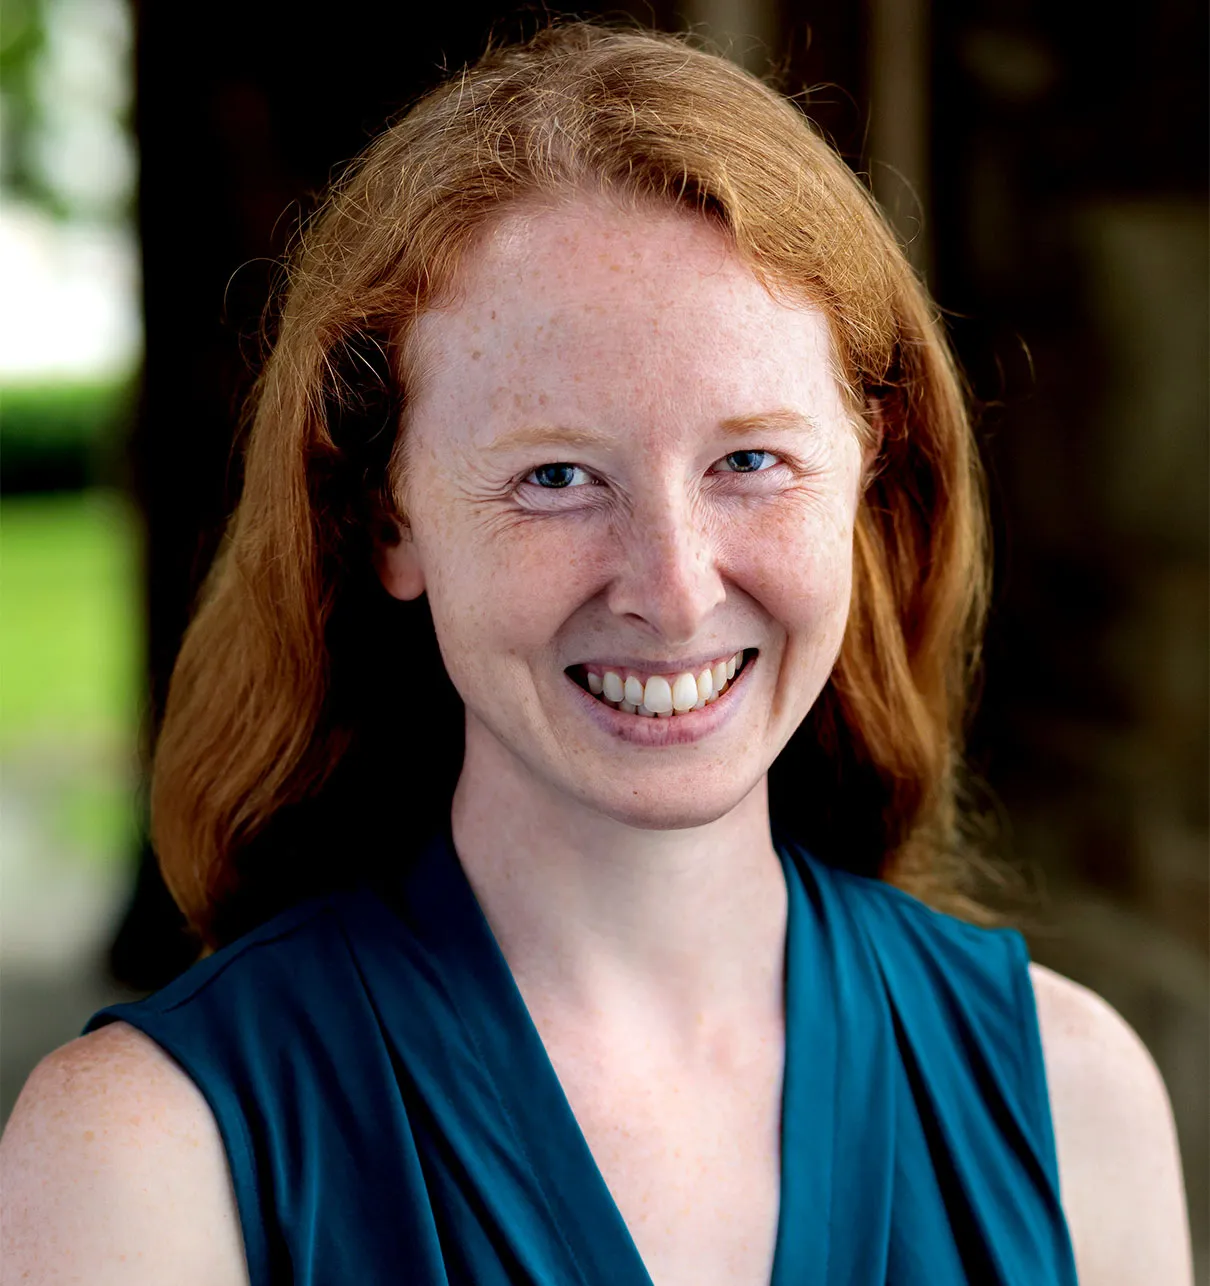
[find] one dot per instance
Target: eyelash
(564, 464)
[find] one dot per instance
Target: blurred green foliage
(71, 614)
(71, 620)
(71, 678)
(96, 817)
(22, 39)
(63, 436)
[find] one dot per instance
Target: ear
(397, 561)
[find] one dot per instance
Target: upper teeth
(664, 694)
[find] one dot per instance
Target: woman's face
(627, 465)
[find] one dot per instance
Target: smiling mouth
(660, 695)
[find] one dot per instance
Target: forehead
(590, 309)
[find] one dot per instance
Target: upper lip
(695, 664)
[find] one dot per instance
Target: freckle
(493, 314)
(476, 355)
(89, 1136)
(517, 399)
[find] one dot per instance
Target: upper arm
(1119, 1163)
(112, 1170)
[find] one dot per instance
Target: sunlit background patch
(71, 618)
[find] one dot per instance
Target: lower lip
(674, 730)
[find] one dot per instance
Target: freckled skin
(644, 329)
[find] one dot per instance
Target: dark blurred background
(1047, 168)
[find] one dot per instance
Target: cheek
(797, 562)
(499, 593)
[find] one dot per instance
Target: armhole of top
(232, 1125)
(1033, 1060)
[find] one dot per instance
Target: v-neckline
(444, 912)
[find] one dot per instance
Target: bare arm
(1119, 1163)
(112, 1170)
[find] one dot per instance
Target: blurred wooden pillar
(748, 31)
(900, 70)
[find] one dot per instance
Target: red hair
(280, 676)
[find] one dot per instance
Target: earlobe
(398, 565)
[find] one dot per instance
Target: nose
(668, 577)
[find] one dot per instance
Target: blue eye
(747, 461)
(557, 476)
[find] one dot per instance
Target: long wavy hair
(310, 731)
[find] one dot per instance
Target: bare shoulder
(1119, 1163)
(112, 1170)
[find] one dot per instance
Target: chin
(675, 810)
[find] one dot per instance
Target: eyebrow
(547, 435)
(778, 421)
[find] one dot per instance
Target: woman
(603, 359)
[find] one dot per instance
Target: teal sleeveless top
(390, 1115)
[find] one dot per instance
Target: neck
(597, 916)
